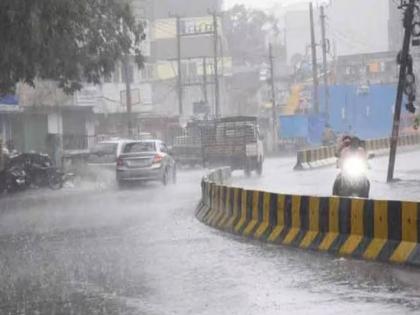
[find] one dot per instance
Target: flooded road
(95, 249)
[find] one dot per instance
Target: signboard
(135, 97)
(166, 28)
(197, 26)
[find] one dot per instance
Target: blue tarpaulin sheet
(316, 128)
(9, 100)
(293, 126)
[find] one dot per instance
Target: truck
(187, 145)
(234, 142)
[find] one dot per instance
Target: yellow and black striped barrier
(387, 231)
(326, 155)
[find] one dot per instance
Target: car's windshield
(140, 147)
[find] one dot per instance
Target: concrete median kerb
(387, 231)
(322, 156)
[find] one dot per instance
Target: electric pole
(325, 65)
(205, 95)
(404, 57)
(127, 78)
(216, 66)
(315, 99)
(179, 62)
(273, 96)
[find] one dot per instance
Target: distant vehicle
(148, 160)
(352, 181)
(188, 147)
(188, 150)
(106, 152)
(234, 142)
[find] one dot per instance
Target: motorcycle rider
(352, 147)
(352, 180)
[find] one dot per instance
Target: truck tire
(165, 178)
(247, 170)
(260, 168)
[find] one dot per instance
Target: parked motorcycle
(352, 181)
(13, 179)
(41, 171)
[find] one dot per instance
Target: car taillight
(120, 162)
(157, 159)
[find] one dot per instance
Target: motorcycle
(41, 171)
(13, 179)
(352, 181)
(13, 176)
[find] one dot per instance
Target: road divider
(322, 156)
(387, 231)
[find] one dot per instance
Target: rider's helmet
(347, 140)
(355, 143)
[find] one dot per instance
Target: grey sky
(266, 4)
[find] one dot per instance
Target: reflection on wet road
(141, 251)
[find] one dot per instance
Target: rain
(116, 114)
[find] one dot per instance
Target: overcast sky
(264, 4)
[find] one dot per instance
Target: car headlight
(354, 167)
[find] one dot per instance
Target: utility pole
(128, 95)
(315, 98)
(179, 62)
(273, 96)
(325, 65)
(404, 61)
(216, 66)
(126, 65)
(205, 95)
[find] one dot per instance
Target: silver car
(147, 160)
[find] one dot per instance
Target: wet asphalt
(96, 249)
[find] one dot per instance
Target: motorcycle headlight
(354, 167)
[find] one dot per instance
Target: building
(9, 111)
(154, 89)
(53, 122)
(365, 69)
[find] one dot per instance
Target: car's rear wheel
(165, 178)
(260, 168)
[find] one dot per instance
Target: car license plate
(138, 163)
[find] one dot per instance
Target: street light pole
(179, 62)
(273, 96)
(404, 59)
(216, 66)
(325, 65)
(315, 99)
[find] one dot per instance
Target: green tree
(247, 31)
(68, 41)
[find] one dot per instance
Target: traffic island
(387, 231)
